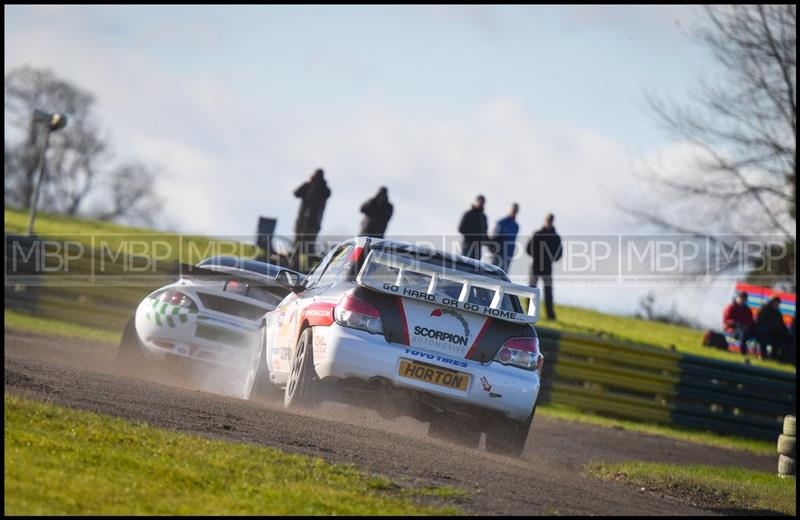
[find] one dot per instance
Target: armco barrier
(646, 383)
(614, 378)
(91, 292)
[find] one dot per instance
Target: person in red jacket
(738, 319)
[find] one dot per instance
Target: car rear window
(439, 259)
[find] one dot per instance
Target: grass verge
(758, 447)
(92, 233)
(684, 339)
(53, 327)
(730, 490)
(64, 461)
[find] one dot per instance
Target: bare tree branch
(743, 127)
(78, 162)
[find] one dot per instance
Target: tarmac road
(547, 480)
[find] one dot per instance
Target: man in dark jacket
(544, 247)
(313, 196)
(738, 321)
(377, 210)
(474, 227)
(771, 328)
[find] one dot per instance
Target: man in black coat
(772, 330)
(377, 210)
(313, 196)
(474, 227)
(544, 247)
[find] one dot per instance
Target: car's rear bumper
(342, 353)
(179, 339)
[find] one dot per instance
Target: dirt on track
(548, 479)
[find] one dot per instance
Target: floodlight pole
(54, 122)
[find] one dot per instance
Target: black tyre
(787, 446)
(129, 350)
(301, 388)
(456, 430)
(507, 436)
(787, 465)
(260, 387)
(790, 426)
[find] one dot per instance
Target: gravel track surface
(548, 478)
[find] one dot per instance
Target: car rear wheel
(301, 388)
(507, 436)
(129, 350)
(257, 384)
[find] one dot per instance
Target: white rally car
(208, 318)
(412, 331)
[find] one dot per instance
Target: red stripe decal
(406, 341)
(319, 314)
(356, 254)
(478, 339)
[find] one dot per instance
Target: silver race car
(411, 331)
(208, 318)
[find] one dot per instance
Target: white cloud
(482, 17)
(637, 17)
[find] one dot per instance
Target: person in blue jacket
(505, 239)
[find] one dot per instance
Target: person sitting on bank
(738, 321)
(771, 329)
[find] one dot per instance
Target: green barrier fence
(642, 382)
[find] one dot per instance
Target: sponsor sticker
(450, 302)
(441, 329)
(280, 359)
(225, 322)
(436, 357)
(320, 346)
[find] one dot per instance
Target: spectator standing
(544, 247)
(505, 238)
(738, 320)
(313, 195)
(377, 212)
(474, 227)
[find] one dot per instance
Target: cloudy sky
(544, 106)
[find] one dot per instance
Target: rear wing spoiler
(396, 285)
(224, 274)
(192, 271)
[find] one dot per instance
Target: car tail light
(358, 314)
(177, 298)
(521, 352)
